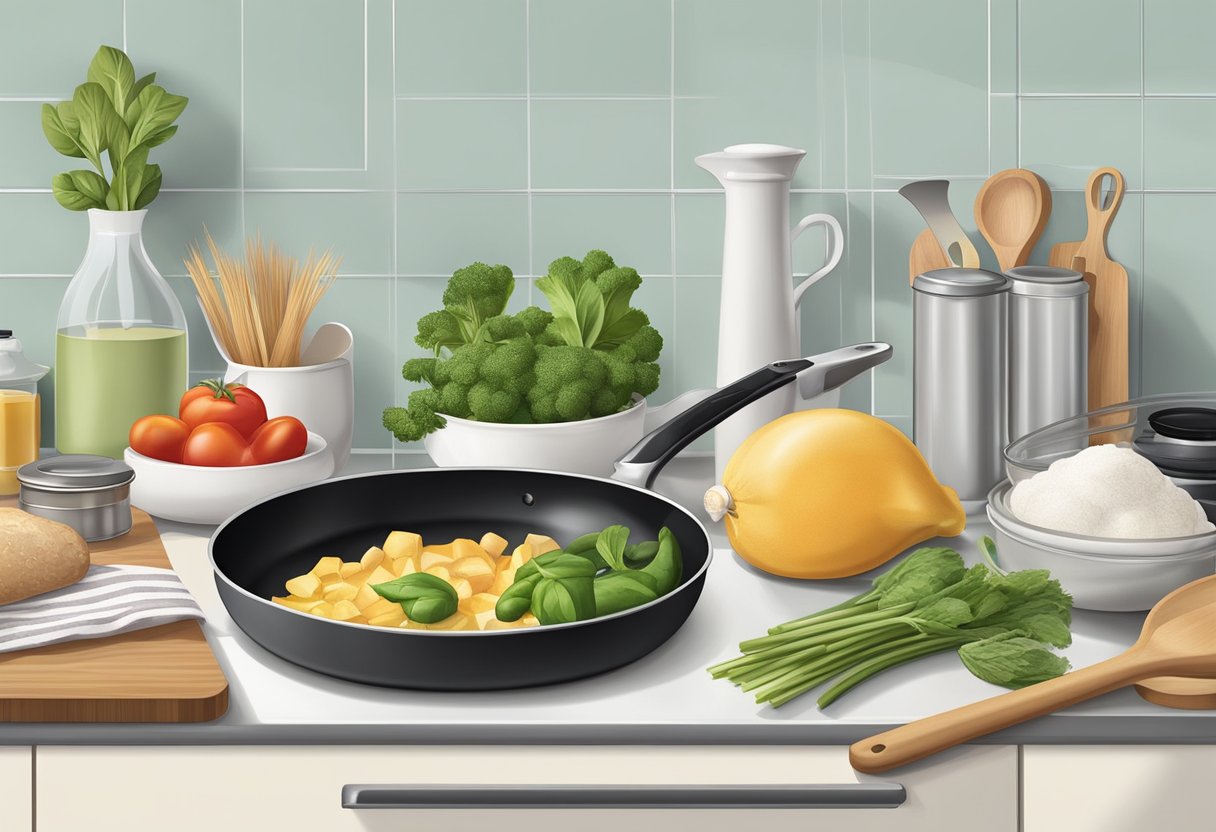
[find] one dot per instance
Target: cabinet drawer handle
(841, 796)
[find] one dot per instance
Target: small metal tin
(92, 494)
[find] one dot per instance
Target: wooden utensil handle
(919, 739)
(1101, 216)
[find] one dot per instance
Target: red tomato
(279, 439)
(232, 404)
(160, 437)
(215, 445)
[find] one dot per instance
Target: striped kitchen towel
(108, 600)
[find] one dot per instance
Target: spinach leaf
(517, 598)
(63, 138)
(1012, 661)
(425, 598)
(153, 111)
(96, 118)
(78, 190)
(138, 87)
(563, 600)
(565, 565)
(668, 566)
(149, 186)
(611, 545)
(616, 591)
(111, 69)
(638, 555)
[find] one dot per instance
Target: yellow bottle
(830, 493)
(20, 410)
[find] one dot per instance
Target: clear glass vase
(120, 347)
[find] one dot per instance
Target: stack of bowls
(1100, 573)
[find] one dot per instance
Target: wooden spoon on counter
(1011, 211)
(1178, 639)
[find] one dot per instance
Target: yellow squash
(830, 493)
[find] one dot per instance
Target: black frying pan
(255, 551)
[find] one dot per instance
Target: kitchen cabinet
(301, 787)
(16, 787)
(1105, 788)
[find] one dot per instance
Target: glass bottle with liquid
(120, 348)
(20, 410)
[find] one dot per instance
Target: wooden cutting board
(162, 674)
(1108, 318)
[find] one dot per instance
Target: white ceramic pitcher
(759, 314)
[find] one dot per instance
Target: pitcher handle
(835, 249)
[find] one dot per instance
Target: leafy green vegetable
(667, 567)
(586, 358)
(425, 598)
(561, 601)
(617, 591)
(517, 598)
(1002, 625)
(611, 544)
(112, 115)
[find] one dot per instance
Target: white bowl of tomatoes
(219, 455)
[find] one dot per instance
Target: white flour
(1108, 491)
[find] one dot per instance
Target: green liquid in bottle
(107, 377)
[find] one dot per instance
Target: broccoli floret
(409, 424)
(534, 320)
(596, 262)
(568, 380)
(478, 292)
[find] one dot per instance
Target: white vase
(120, 348)
(758, 322)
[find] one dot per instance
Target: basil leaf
(149, 187)
(565, 565)
(667, 567)
(161, 136)
(561, 601)
(517, 599)
(611, 545)
(111, 69)
(63, 138)
(79, 190)
(97, 120)
(616, 591)
(138, 87)
(155, 110)
(424, 598)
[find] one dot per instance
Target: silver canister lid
(75, 472)
(1046, 281)
(960, 283)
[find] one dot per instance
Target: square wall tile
(634, 228)
(1178, 54)
(1065, 139)
(1178, 143)
(39, 236)
(177, 219)
(571, 41)
(357, 226)
(27, 160)
(833, 97)
(1179, 341)
(1081, 47)
(706, 125)
(439, 233)
(1002, 133)
(855, 53)
(29, 306)
(365, 304)
(698, 233)
(601, 144)
(929, 106)
(1003, 46)
(45, 48)
(461, 47)
(462, 144)
(724, 48)
(206, 151)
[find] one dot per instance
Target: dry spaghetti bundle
(258, 308)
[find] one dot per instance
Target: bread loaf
(37, 555)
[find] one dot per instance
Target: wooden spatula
(1108, 327)
(1178, 639)
(925, 255)
(1011, 211)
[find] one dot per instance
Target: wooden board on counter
(162, 674)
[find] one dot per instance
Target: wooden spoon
(1178, 639)
(1011, 211)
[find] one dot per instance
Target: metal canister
(1048, 346)
(960, 411)
(92, 494)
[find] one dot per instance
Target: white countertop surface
(666, 697)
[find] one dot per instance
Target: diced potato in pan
(493, 544)
(372, 558)
(340, 591)
(305, 586)
(328, 569)
(403, 545)
(348, 569)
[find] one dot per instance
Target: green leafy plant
(586, 358)
(1003, 627)
(424, 598)
(116, 118)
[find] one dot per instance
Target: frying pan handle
(524, 796)
(819, 374)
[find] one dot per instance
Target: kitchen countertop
(664, 698)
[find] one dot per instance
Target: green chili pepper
(667, 567)
(517, 598)
(616, 591)
(425, 598)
